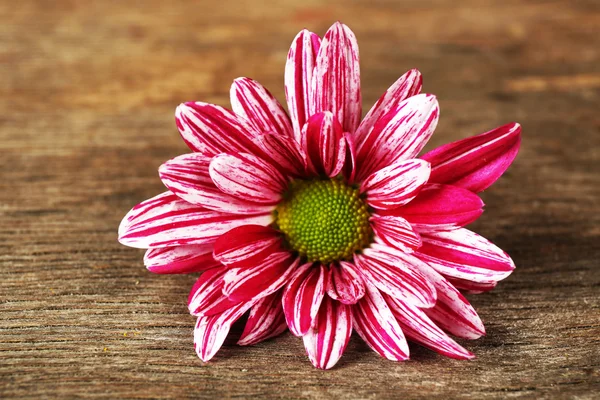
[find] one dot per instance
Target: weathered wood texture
(88, 91)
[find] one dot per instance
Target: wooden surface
(88, 93)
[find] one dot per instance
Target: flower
(322, 223)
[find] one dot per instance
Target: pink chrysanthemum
(322, 223)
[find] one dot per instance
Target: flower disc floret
(324, 220)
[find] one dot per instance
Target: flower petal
(266, 320)
(452, 312)
(441, 208)
(246, 176)
(396, 273)
(336, 79)
(206, 296)
(345, 284)
(260, 280)
(395, 232)
(188, 177)
(406, 86)
(246, 245)
(180, 259)
(463, 254)
(210, 129)
(302, 297)
(417, 326)
(470, 286)
(284, 152)
(211, 331)
(324, 144)
(299, 69)
(166, 221)
(399, 135)
(326, 341)
(476, 162)
(395, 185)
(350, 165)
(253, 102)
(376, 325)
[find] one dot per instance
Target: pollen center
(324, 220)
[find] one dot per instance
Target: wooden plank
(86, 117)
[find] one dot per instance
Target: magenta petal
(302, 297)
(350, 165)
(470, 286)
(326, 341)
(417, 327)
(266, 320)
(406, 86)
(180, 259)
(395, 185)
(452, 312)
(210, 129)
(324, 144)
(299, 69)
(284, 152)
(397, 274)
(399, 135)
(377, 326)
(395, 232)
(440, 208)
(246, 245)
(252, 101)
(463, 254)
(336, 79)
(188, 177)
(166, 221)
(248, 177)
(476, 162)
(211, 331)
(206, 296)
(262, 279)
(345, 283)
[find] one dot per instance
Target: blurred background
(87, 98)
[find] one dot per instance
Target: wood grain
(88, 91)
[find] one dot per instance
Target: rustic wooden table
(88, 91)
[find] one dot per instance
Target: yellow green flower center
(324, 220)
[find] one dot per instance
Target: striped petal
(246, 245)
(470, 286)
(350, 166)
(180, 259)
(246, 176)
(418, 327)
(463, 254)
(399, 135)
(324, 144)
(395, 185)
(166, 221)
(395, 232)
(441, 208)
(452, 312)
(336, 78)
(406, 86)
(284, 152)
(302, 297)
(345, 284)
(396, 273)
(262, 279)
(210, 129)
(266, 320)
(299, 69)
(188, 177)
(377, 326)
(476, 162)
(206, 296)
(211, 331)
(253, 102)
(326, 341)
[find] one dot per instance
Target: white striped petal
(345, 283)
(302, 297)
(266, 320)
(395, 232)
(180, 259)
(326, 341)
(253, 102)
